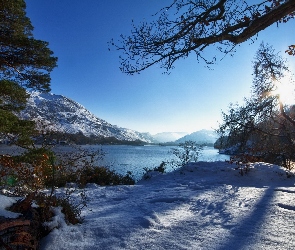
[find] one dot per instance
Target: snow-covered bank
(202, 206)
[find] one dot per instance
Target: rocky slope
(59, 113)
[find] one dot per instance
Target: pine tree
(25, 63)
(23, 59)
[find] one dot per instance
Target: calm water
(122, 158)
(135, 158)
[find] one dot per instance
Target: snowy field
(205, 205)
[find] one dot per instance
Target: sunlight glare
(285, 89)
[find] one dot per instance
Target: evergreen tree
(25, 63)
(23, 59)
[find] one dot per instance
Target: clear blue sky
(189, 99)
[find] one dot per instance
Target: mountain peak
(62, 114)
(201, 136)
(168, 136)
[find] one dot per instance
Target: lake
(123, 158)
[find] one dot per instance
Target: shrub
(70, 208)
(161, 169)
(186, 152)
(104, 176)
(26, 173)
(39, 168)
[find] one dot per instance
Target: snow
(204, 205)
(57, 221)
(169, 136)
(62, 114)
(6, 202)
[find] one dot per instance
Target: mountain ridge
(164, 137)
(200, 136)
(62, 114)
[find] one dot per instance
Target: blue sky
(189, 99)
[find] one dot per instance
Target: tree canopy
(190, 26)
(25, 63)
(265, 124)
(23, 59)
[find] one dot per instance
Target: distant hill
(201, 136)
(168, 136)
(64, 115)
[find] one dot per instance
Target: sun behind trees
(186, 27)
(264, 126)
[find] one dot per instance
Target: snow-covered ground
(205, 205)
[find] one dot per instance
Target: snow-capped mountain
(201, 136)
(62, 114)
(168, 136)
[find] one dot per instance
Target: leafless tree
(188, 26)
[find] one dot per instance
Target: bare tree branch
(188, 26)
(250, 26)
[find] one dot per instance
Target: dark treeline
(81, 139)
